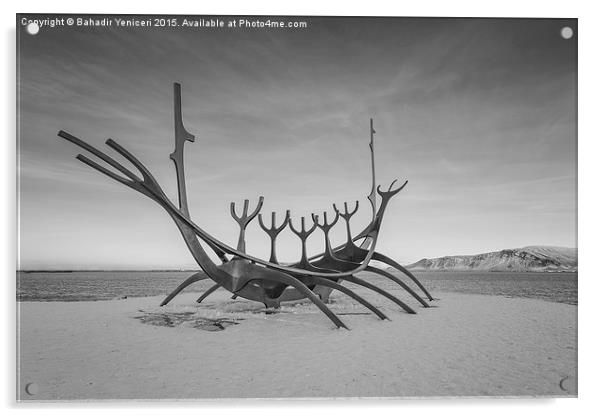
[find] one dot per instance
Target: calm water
(559, 287)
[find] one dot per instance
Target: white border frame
(590, 69)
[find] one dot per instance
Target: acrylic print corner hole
(32, 28)
(566, 32)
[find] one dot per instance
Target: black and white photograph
(295, 207)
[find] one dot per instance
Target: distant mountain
(530, 258)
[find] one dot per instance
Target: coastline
(466, 345)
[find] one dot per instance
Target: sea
(559, 287)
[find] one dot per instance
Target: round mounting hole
(32, 28)
(32, 388)
(566, 32)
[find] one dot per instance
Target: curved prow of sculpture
(385, 197)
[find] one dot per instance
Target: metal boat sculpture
(267, 281)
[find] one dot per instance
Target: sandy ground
(467, 345)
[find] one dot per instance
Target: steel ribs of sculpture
(246, 276)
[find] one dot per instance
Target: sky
(479, 115)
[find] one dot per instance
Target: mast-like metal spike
(372, 195)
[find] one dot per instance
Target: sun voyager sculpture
(268, 281)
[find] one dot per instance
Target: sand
(466, 345)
